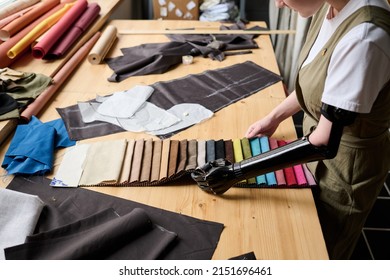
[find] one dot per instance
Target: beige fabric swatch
(137, 160)
(165, 158)
(156, 161)
(104, 162)
(125, 174)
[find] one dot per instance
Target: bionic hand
(218, 176)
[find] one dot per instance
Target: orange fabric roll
(12, 28)
(5, 61)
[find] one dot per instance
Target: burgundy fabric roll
(51, 37)
(80, 26)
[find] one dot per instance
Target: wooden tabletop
(273, 223)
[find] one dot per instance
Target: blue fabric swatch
(256, 150)
(32, 148)
(271, 178)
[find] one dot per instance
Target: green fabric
(349, 183)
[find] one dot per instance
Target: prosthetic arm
(218, 176)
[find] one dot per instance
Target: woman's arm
(268, 125)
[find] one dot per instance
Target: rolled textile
(35, 107)
(16, 7)
(10, 18)
(37, 31)
(103, 45)
(12, 28)
(79, 27)
(5, 61)
(43, 46)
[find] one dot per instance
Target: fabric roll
(270, 176)
(75, 32)
(100, 236)
(147, 161)
(156, 161)
(35, 12)
(196, 239)
(219, 149)
(103, 45)
(5, 61)
(61, 76)
(210, 150)
(19, 216)
(16, 7)
(37, 31)
(173, 157)
(247, 153)
(127, 161)
(229, 153)
(201, 158)
(64, 23)
(166, 145)
(256, 150)
(279, 174)
(7, 20)
(182, 160)
(192, 154)
(137, 160)
(103, 163)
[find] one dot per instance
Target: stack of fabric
(218, 10)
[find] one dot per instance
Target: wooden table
(273, 223)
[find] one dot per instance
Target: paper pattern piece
(177, 159)
(103, 45)
(215, 90)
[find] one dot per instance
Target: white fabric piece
(124, 104)
(19, 214)
(359, 63)
(148, 117)
(72, 165)
(189, 113)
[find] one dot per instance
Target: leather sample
(196, 239)
(234, 83)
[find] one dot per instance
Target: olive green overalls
(350, 183)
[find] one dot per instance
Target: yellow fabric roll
(41, 28)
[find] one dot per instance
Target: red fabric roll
(51, 37)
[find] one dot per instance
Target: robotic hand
(218, 176)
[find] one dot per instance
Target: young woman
(343, 81)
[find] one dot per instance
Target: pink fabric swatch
(46, 43)
(310, 178)
(300, 175)
(280, 178)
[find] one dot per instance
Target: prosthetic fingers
(218, 176)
